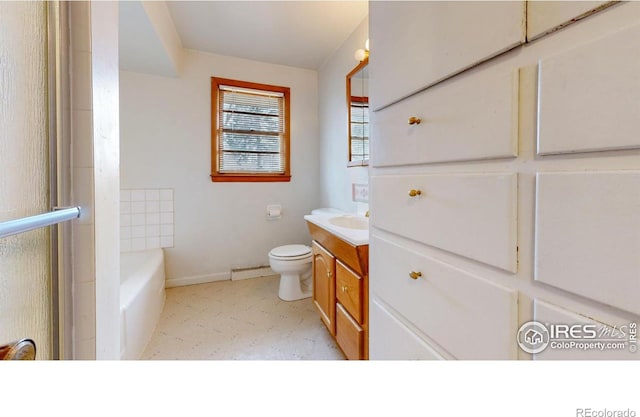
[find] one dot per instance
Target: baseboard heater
(251, 272)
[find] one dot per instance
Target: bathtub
(141, 299)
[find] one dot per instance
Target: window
(358, 107)
(359, 119)
(249, 131)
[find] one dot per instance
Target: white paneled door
(26, 307)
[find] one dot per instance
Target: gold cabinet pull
(415, 275)
(414, 120)
(328, 274)
(413, 193)
(345, 288)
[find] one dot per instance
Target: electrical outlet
(360, 193)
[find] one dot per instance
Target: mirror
(358, 108)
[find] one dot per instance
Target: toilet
(293, 263)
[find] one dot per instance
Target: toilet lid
(290, 251)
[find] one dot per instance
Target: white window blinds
(359, 131)
(251, 131)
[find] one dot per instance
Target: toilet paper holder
(274, 212)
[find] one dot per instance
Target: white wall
(165, 143)
(335, 177)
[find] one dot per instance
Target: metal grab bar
(14, 227)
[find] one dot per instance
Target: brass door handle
(413, 193)
(24, 349)
(414, 120)
(415, 275)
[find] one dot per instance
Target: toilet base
(290, 288)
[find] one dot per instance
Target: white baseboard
(261, 271)
(198, 279)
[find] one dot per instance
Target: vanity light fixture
(362, 54)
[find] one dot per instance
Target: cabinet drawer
(471, 318)
(473, 215)
(587, 235)
(349, 291)
(418, 43)
(589, 96)
(473, 116)
(392, 340)
(349, 334)
(614, 332)
(546, 16)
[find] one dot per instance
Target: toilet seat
(290, 252)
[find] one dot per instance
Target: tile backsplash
(146, 219)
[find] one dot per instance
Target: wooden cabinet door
(415, 44)
(324, 289)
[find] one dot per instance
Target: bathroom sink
(350, 222)
(353, 229)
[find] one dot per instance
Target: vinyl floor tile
(239, 320)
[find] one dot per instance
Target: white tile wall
(146, 219)
(83, 183)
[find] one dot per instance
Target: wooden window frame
(217, 176)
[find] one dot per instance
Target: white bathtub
(141, 299)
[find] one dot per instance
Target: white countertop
(355, 237)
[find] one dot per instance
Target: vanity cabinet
(505, 193)
(324, 289)
(415, 44)
(340, 290)
(349, 312)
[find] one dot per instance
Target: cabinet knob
(415, 275)
(414, 120)
(345, 288)
(328, 274)
(413, 193)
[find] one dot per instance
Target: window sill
(363, 163)
(250, 178)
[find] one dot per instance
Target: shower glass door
(26, 306)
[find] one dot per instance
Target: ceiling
(140, 47)
(301, 34)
